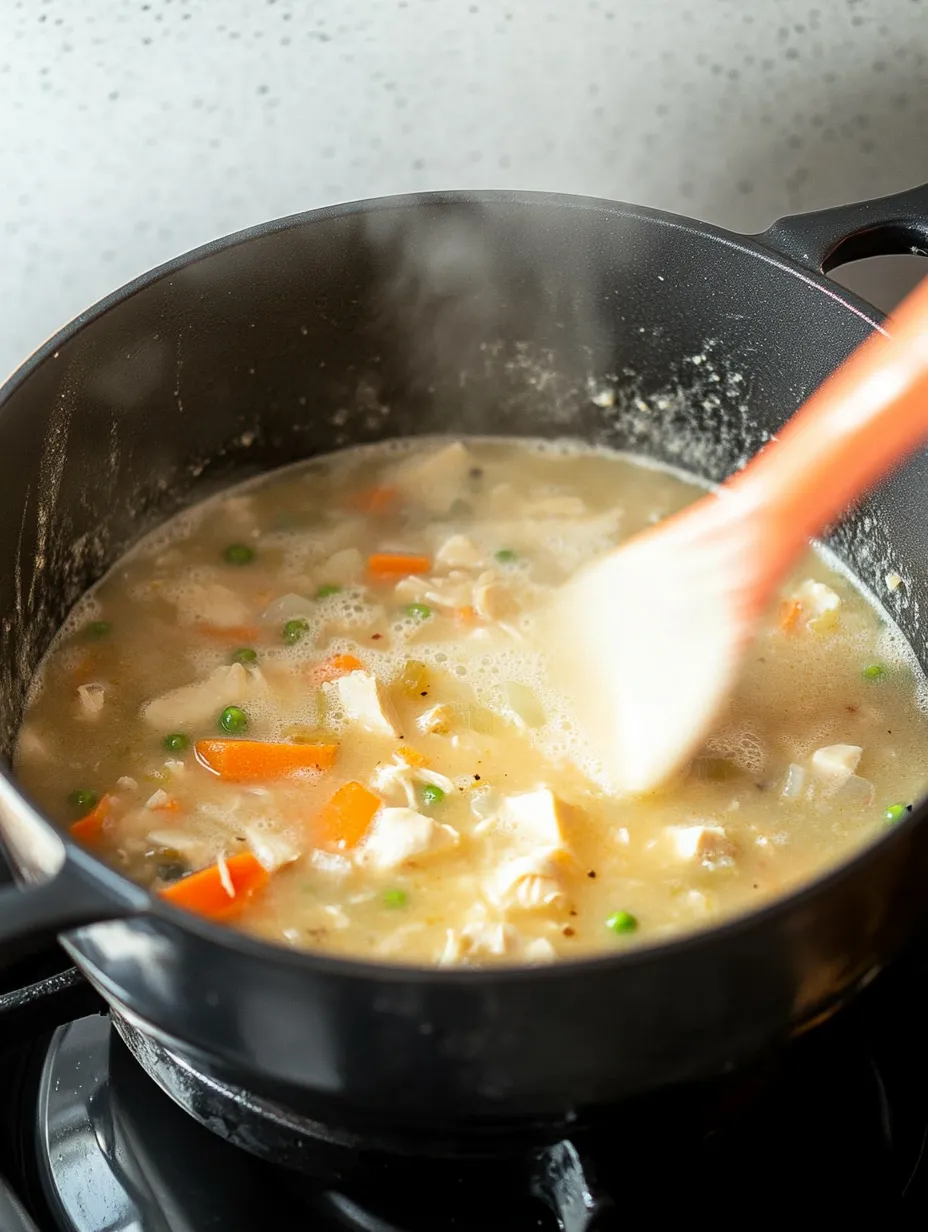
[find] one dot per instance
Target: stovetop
(89, 1142)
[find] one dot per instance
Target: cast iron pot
(494, 313)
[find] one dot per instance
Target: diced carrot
(790, 612)
(344, 821)
(206, 893)
(374, 500)
(412, 757)
(331, 669)
(250, 761)
(240, 634)
(391, 564)
(90, 827)
(466, 615)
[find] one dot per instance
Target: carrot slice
(206, 892)
(90, 827)
(240, 634)
(374, 500)
(790, 612)
(412, 757)
(331, 669)
(388, 564)
(250, 761)
(344, 821)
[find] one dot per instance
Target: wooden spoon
(647, 641)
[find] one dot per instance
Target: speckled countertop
(134, 130)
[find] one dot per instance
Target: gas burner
(115, 1133)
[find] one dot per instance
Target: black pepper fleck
(477, 777)
(568, 931)
(591, 874)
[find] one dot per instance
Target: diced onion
(795, 783)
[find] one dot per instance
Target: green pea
(233, 720)
(506, 556)
(293, 630)
(873, 671)
(176, 742)
(432, 795)
(97, 629)
(238, 554)
(83, 801)
(622, 922)
(418, 611)
(324, 591)
(896, 812)
(244, 655)
(395, 898)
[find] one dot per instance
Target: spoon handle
(863, 420)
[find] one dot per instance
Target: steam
(502, 304)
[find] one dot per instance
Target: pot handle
(824, 239)
(80, 893)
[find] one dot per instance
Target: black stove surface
(89, 1143)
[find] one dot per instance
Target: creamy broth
(310, 708)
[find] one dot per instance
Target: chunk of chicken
(401, 834)
(201, 701)
(532, 820)
(273, 847)
(459, 552)
(834, 764)
(493, 600)
(529, 883)
(702, 843)
(91, 698)
(437, 480)
(211, 603)
(539, 950)
(343, 568)
(364, 701)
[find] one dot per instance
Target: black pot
(361, 322)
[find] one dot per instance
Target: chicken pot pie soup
(311, 708)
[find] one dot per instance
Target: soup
(312, 708)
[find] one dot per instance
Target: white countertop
(134, 131)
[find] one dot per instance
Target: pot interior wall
(504, 315)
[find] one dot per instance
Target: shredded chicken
(529, 883)
(485, 939)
